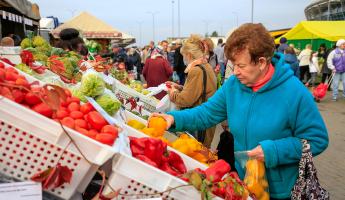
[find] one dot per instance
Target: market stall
(93, 28)
(18, 17)
(315, 33)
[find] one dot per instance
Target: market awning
(280, 32)
(24, 7)
(90, 27)
(328, 30)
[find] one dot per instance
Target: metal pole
(329, 10)
(153, 23)
(140, 32)
(252, 11)
(172, 19)
(178, 18)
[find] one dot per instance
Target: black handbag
(225, 149)
(307, 186)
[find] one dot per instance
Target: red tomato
(110, 129)
(2, 65)
(43, 109)
(68, 121)
(32, 99)
(81, 123)
(92, 133)
(68, 93)
(73, 106)
(12, 70)
(106, 138)
(60, 114)
(96, 120)
(22, 82)
(86, 108)
(18, 95)
(82, 130)
(10, 76)
(2, 74)
(75, 99)
(76, 114)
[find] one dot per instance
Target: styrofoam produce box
(136, 177)
(31, 142)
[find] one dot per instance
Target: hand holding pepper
(168, 118)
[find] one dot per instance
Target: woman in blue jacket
(268, 110)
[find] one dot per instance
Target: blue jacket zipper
(248, 117)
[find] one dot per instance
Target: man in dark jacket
(179, 65)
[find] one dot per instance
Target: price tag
(21, 191)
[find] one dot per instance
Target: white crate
(31, 142)
(11, 53)
(126, 92)
(136, 177)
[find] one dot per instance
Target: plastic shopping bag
(255, 179)
(164, 104)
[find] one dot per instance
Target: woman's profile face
(246, 71)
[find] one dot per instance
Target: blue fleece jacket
(275, 117)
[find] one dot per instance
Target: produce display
(93, 46)
(154, 152)
(218, 180)
(65, 64)
(185, 144)
(194, 149)
(82, 118)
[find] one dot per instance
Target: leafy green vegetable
(108, 103)
(24, 68)
(77, 93)
(92, 85)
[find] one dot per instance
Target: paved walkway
(331, 163)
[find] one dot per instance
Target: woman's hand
(171, 92)
(257, 153)
(168, 118)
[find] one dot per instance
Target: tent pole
(329, 10)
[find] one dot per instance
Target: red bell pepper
(216, 171)
(176, 162)
(166, 167)
(146, 160)
(154, 149)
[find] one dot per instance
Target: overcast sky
(197, 16)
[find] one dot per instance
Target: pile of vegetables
(217, 180)
(80, 117)
(63, 63)
(93, 85)
(154, 152)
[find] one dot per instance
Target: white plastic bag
(164, 104)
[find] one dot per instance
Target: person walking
(336, 62)
(219, 51)
(157, 70)
(304, 61)
(326, 72)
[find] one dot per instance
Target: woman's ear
(262, 63)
